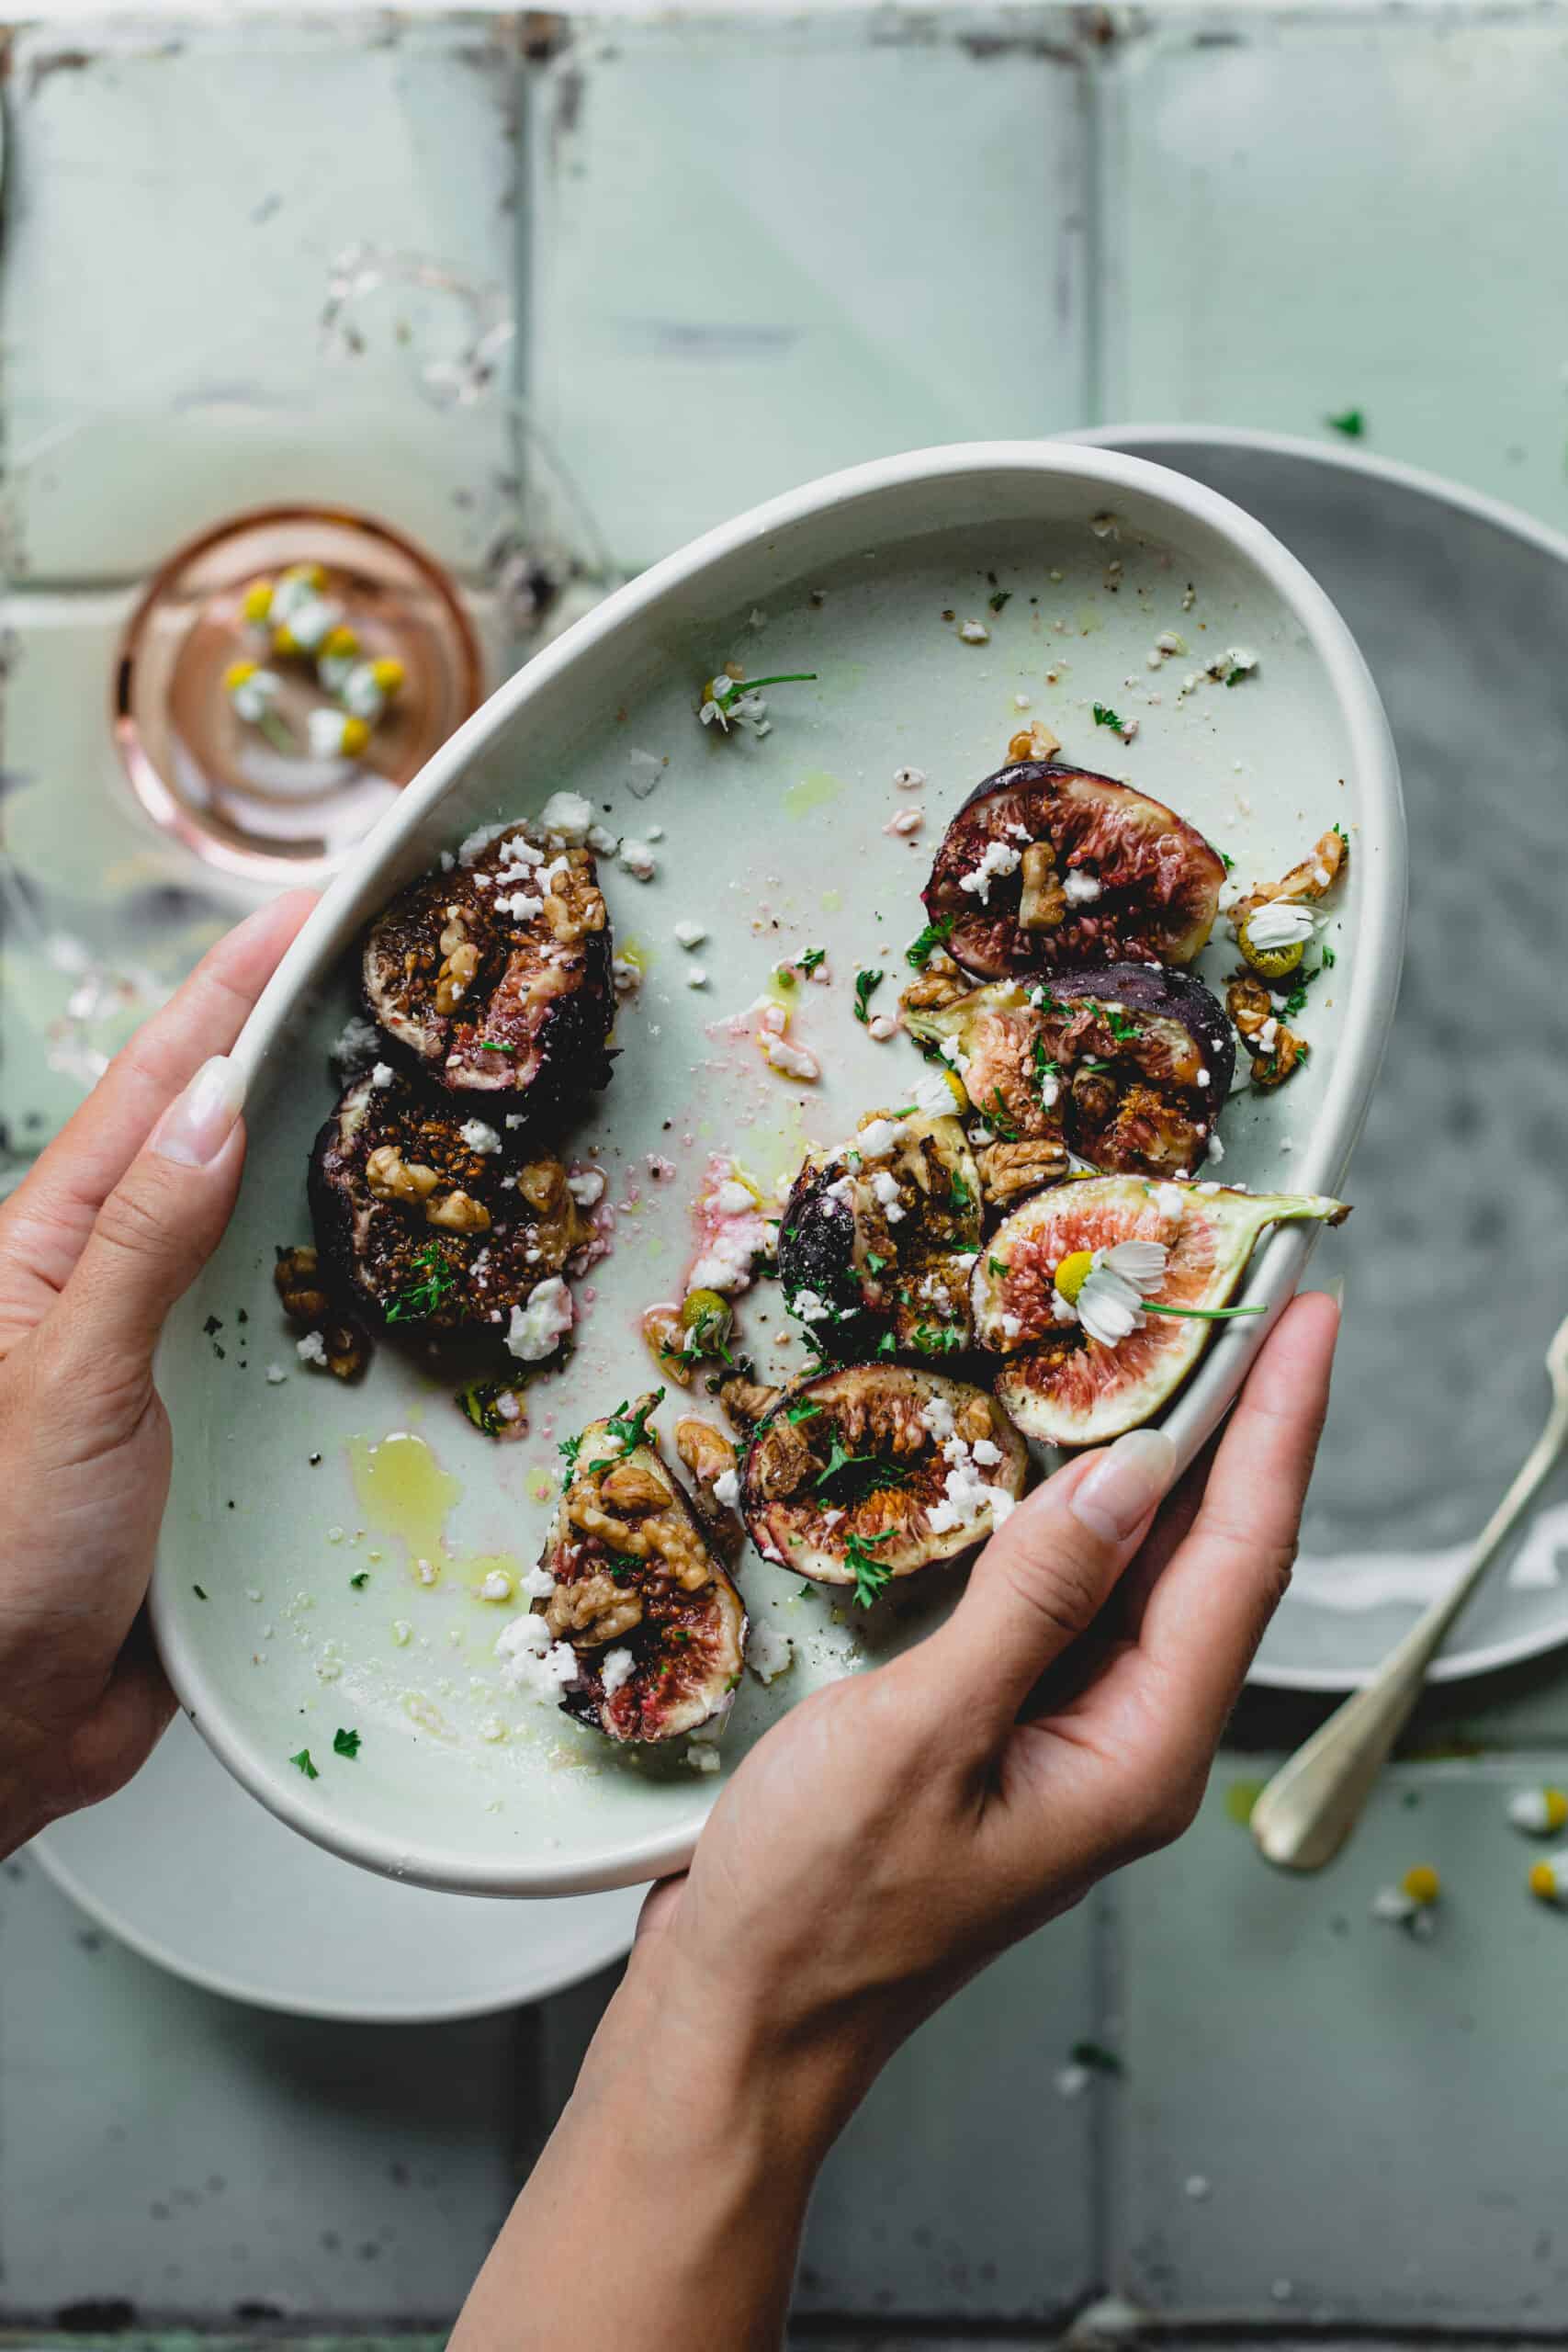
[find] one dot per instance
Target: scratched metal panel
(1375, 2122)
(1346, 209)
(179, 198)
(765, 247)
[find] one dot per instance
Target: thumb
(162, 1222)
(1042, 1579)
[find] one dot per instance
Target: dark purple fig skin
(568, 1058)
(1161, 878)
(364, 1246)
(1169, 996)
(817, 1238)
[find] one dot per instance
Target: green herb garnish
(494, 1045)
(302, 1763)
(801, 1412)
(345, 1743)
(959, 1195)
(938, 1338)
(812, 957)
(1201, 1314)
(997, 1265)
(866, 985)
(198, 1592)
(1351, 422)
(1227, 861)
(999, 1117)
(1002, 596)
(733, 688)
(870, 1573)
(422, 1297)
(1105, 716)
(885, 1346)
(1121, 1027)
(569, 1449)
(1094, 2055)
(361, 1580)
(920, 949)
(632, 1428)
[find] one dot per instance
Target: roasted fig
(1102, 1295)
(423, 1217)
(1046, 867)
(634, 1621)
(1128, 1066)
(495, 976)
(883, 1233)
(866, 1474)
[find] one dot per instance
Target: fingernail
(1124, 1485)
(198, 1122)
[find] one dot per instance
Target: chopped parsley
(302, 1764)
(1329, 960)
(1121, 1027)
(1094, 2055)
(1044, 1067)
(805, 1592)
(876, 1264)
(482, 1405)
(345, 1743)
(1227, 861)
(938, 1338)
(435, 1282)
(494, 1045)
(1002, 596)
(995, 1265)
(870, 1573)
(1351, 422)
(198, 1592)
(959, 1195)
(1105, 716)
(1234, 677)
(920, 949)
(1297, 1002)
(801, 1412)
(999, 1117)
(568, 1450)
(866, 985)
(885, 1346)
(361, 1580)
(632, 1428)
(812, 957)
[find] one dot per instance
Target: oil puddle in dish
(404, 1494)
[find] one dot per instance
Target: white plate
(1456, 1260)
(774, 846)
(184, 1868)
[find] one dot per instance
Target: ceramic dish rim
(1357, 1053)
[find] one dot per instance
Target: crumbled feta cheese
(908, 820)
(497, 1586)
(768, 1653)
(537, 1329)
(696, 976)
(603, 840)
(878, 1137)
(312, 1348)
(974, 633)
(1269, 1035)
(690, 933)
(1217, 1150)
(884, 1185)
(702, 1759)
(726, 1490)
(618, 1667)
(586, 1186)
(535, 1584)
(382, 1075)
(402, 1632)
(531, 1663)
(478, 1137)
(909, 779)
(790, 1061)
(999, 858)
(638, 859)
(810, 1307)
(1079, 889)
(521, 906)
(646, 771)
(733, 1197)
(275, 1375)
(626, 976)
(567, 816)
(1170, 1201)
(357, 1042)
(883, 1025)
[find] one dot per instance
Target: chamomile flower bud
(1410, 1903)
(1538, 1811)
(361, 692)
(251, 689)
(339, 641)
(256, 602)
(389, 674)
(336, 734)
(1549, 1878)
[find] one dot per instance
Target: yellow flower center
(236, 675)
(257, 601)
(1422, 1885)
(1543, 1881)
(1072, 1274)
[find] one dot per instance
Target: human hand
(107, 1229)
(882, 1843)
(899, 1829)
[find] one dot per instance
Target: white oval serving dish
(774, 846)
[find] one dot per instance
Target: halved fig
(883, 1233)
(423, 1217)
(1047, 866)
(496, 976)
(656, 1626)
(867, 1475)
(1128, 1066)
(1155, 1307)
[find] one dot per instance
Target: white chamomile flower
(1538, 1811)
(1281, 922)
(1111, 1291)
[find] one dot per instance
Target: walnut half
(1276, 1050)
(1009, 1170)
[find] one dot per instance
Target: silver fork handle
(1312, 1802)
